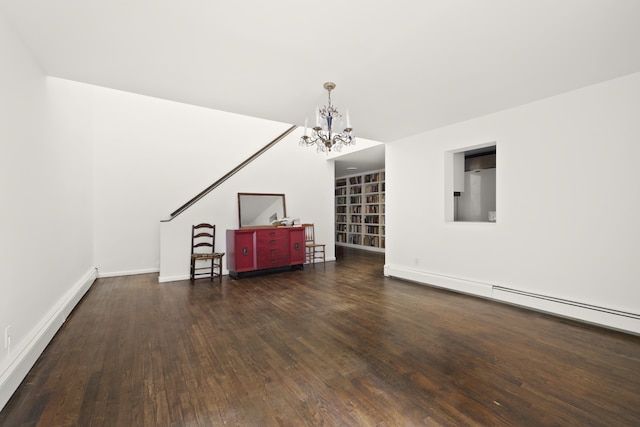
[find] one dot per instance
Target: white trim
(22, 359)
(602, 316)
(128, 273)
(164, 279)
(615, 319)
(327, 259)
(438, 280)
(364, 248)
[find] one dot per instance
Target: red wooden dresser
(254, 249)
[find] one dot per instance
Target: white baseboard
(602, 316)
(453, 283)
(22, 358)
(164, 279)
(127, 273)
(362, 247)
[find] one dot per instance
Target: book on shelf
(371, 199)
(371, 219)
(371, 241)
(371, 188)
(373, 229)
(372, 177)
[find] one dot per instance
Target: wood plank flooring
(341, 346)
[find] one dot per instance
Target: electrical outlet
(7, 337)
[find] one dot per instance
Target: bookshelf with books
(360, 211)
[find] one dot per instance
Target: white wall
(45, 216)
(567, 203)
(305, 177)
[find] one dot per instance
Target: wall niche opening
(473, 195)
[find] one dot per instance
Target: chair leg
(216, 269)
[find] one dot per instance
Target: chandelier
(322, 134)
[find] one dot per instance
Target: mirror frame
(240, 195)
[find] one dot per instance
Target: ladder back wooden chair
(315, 251)
(205, 261)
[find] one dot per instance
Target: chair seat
(207, 256)
(315, 245)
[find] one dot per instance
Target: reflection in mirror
(260, 209)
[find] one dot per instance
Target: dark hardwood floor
(341, 346)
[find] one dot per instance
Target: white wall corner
(22, 358)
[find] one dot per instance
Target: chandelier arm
(324, 136)
(346, 140)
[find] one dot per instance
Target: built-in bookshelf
(360, 211)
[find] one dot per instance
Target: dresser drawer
(270, 258)
(272, 248)
(271, 237)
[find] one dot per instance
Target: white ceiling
(365, 160)
(401, 67)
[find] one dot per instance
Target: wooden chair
(203, 251)
(315, 251)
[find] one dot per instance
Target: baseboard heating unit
(591, 313)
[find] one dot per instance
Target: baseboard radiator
(569, 302)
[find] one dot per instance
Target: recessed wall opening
(471, 184)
